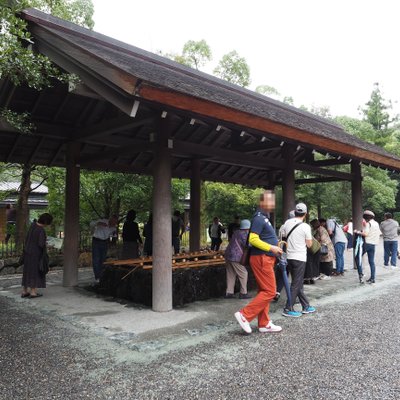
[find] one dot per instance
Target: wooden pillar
(288, 185)
(195, 205)
(162, 226)
(71, 217)
(356, 195)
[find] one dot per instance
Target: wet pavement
(74, 344)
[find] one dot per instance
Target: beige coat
(322, 235)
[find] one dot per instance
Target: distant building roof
(14, 187)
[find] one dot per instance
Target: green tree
(267, 90)
(227, 200)
(17, 60)
(379, 190)
(20, 64)
(197, 54)
(105, 193)
(377, 114)
(194, 54)
(234, 69)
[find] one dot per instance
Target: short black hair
(45, 219)
(388, 215)
(131, 215)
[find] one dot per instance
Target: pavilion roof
(238, 135)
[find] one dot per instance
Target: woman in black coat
(131, 237)
(35, 246)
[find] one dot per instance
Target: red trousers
(263, 269)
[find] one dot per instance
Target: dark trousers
(176, 242)
(99, 255)
(390, 251)
(296, 269)
(215, 243)
(370, 250)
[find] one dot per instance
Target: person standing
(178, 229)
(371, 234)
(389, 228)
(34, 249)
(233, 254)
(348, 230)
(215, 230)
(233, 226)
(130, 237)
(264, 249)
(339, 241)
(102, 230)
(299, 238)
(326, 258)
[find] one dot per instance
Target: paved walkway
(73, 344)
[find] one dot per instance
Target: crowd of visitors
(304, 252)
(312, 251)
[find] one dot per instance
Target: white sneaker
(394, 268)
(270, 328)
(243, 322)
(325, 278)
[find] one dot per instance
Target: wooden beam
(330, 162)
(321, 171)
(257, 147)
(35, 151)
(224, 156)
(109, 127)
(134, 147)
(317, 180)
(14, 146)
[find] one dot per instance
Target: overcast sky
(320, 52)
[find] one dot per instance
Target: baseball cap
(245, 224)
(301, 208)
(368, 212)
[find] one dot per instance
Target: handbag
(315, 247)
(245, 259)
(44, 263)
(324, 250)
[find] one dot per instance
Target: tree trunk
(319, 210)
(22, 206)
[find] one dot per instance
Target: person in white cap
(371, 233)
(299, 238)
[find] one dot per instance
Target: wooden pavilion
(136, 112)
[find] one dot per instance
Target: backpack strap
(299, 223)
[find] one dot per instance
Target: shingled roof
(213, 119)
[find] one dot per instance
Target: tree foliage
(17, 60)
(267, 90)
(227, 200)
(195, 54)
(105, 193)
(234, 69)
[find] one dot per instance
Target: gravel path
(349, 349)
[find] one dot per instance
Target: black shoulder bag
(245, 259)
(285, 239)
